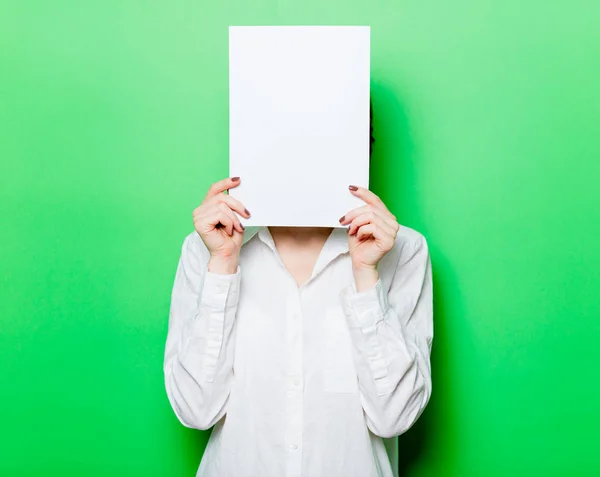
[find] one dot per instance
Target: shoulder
(409, 245)
(193, 248)
(409, 242)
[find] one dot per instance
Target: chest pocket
(339, 373)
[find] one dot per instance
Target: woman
(304, 347)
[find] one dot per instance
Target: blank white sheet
(298, 121)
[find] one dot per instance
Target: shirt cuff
(365, 308)
(220, 291)
(363, 311)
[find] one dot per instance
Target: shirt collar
(250, 232)
(337, 239)
(336, 244)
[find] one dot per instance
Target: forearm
(391, 359)
(199, 359)
(223, 265)
(393, 374)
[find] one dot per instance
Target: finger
(208, 207)
(366, 231)
(215, 219)
(217, 216)
(235, 221)
(368, 196)
(365, 220)
(373, 230)
(214, 201)
(226, 222)
(222, 185)
(370, 218)
(233, 204)
(386, 215)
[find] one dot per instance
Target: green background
(113, 124)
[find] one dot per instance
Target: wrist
(365, 277)
(223, 265)
(363, 267)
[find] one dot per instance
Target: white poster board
(298, 121)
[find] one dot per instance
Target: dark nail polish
(342, 219)
(235, 179)
(247, 212)
(352, 187)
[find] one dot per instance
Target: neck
(300, 235)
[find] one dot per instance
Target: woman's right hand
(219, 227)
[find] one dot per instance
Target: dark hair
(371, 128)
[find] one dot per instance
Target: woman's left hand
(372, 232)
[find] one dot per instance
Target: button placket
(295, 391)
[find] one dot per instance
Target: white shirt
(300, 381)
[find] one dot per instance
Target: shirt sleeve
(392, 333)
(199, 352)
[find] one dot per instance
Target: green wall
(113, 120)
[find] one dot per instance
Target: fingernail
(235, 179)
(242, 225)
(352, 187)
(342, 219)
(247, 212)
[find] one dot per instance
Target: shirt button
(293, 446)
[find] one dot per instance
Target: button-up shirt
(309, 381)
